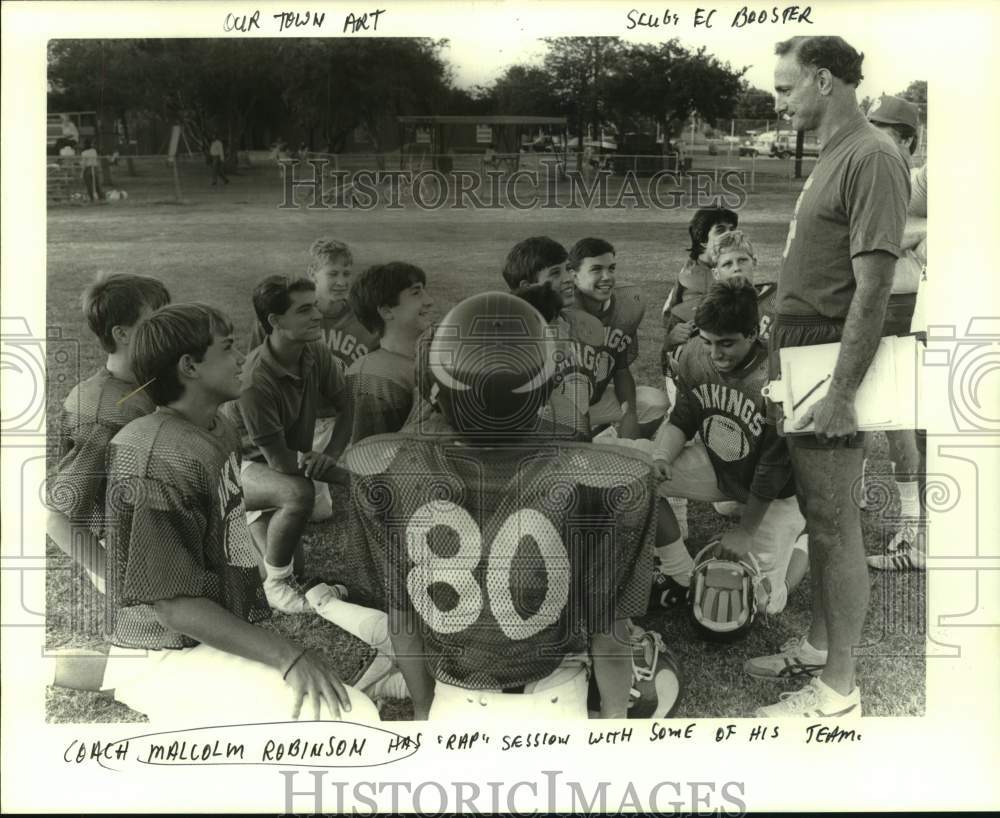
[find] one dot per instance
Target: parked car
(784, 145)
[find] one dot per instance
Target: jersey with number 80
(511, 557)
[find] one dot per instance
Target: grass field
(217, 245)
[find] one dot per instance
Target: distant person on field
(218, 156)
(90, 172)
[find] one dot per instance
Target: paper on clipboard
(886, 399)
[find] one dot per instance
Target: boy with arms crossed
(185, 591)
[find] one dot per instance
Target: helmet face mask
(725, 595)
(493, 362)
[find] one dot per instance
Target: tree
(754, 103)
(524, 90)
(915, 92)
(866, 105)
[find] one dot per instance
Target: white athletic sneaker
(796, 660)
(320, 593)
(286, 595)
(815, 700)
(901, 554)
(323, 507)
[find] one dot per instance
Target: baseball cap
(894, 111)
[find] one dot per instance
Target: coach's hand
(834, 416)
(311, 679)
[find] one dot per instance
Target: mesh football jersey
(621, 332)
(381, 386)
(729, 412)
(177, 527)
(510, 556)
(93, 413)
(344, 335)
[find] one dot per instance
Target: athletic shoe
(901, 553)
(728, 508)
(656, 677)
(666, 592)
(286, 595)
(318, 593)
(796, 660)
(323, 507)
(815, 700)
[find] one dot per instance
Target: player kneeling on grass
(738, 456)
(392, 301)
(285, 381)
(185, 592)
(508, 557)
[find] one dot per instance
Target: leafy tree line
(250, 90)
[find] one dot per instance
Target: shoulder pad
(630, 306)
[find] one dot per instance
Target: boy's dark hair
(543, 298)
(588, 248)
(274, 296)
(380, 286)
(167, 335)
(831, 53)
(701, 224)
(116, 300)
(327, 250)
(729, 306)
(906, 134)
(527, 257)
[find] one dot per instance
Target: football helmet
(493, 362)
(656, 678)
(725, 594)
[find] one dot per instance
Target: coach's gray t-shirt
(854, 202)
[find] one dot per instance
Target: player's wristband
(284, 676)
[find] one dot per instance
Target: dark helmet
(492, 360)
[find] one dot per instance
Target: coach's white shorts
(202, 686)
(560, 695)
(651, 403)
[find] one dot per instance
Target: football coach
(834, 284)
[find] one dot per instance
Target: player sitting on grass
(286, 380)
(540, 260)
(95, 410)
(695, 277)
(501, 627)
(185, 592)
(331, 267)
(738, 456)
(392, 301)
(637, 410)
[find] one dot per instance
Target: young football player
(542, 260)
(94, 411)
(637, 410)
(501, 627)
(695, 277)
(392, 301)
(184, 588)
(738, 456)
(331, 267)
(286, 380)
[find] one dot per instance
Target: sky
(896, 43)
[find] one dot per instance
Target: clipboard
(886, 399)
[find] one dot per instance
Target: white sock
(277, 572)
(909, 504)
(802, 542)
(679, 505)
(830, 692)
(675, 561)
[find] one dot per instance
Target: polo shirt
(854, 202)
(278, 403)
